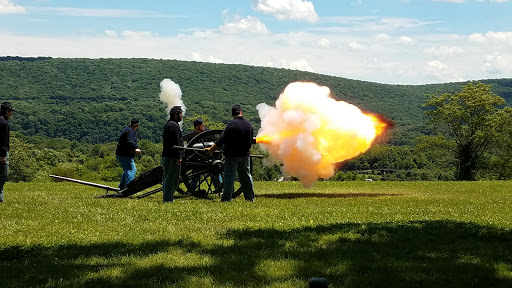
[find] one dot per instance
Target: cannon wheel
(207, 170)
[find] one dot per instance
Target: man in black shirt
(171, 157)
(125, 152)
(6, 111)
(236, 139)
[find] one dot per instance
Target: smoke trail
(170, 94)
(309, 132)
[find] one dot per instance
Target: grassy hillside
(90, 100)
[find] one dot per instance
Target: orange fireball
(309, 131)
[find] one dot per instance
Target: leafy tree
(69, 170)
(470, 117)
(499, 165)
(22, 166)
(435, 157)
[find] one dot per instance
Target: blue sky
(398, 42)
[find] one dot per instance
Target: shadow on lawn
(324, 195)
(410, 254)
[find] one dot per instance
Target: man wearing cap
(125, 152)
(237, 139)
(6, 111)
(171, 156)
(198, 125)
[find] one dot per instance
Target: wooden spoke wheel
(201, 173)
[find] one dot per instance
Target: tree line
(69, 113)
(472, 143)
(90, 100)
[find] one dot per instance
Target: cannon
(201, 173)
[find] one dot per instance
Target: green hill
(90, 100)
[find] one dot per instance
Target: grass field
(355, 234)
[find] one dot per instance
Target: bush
(22, 166)
(346, 176)
(69, 170)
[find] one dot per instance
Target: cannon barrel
(201, 149)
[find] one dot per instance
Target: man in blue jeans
(125, 152)
(236, 139)
(6, 111)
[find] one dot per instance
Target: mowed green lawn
(355, 234)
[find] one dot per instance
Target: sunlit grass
(363, 234)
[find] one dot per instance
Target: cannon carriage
(201, 173)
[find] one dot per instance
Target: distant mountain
(90, 100)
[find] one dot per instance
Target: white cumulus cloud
(300, 64)
(248, 24)
(7, 7)
(463, 1)
(197, 57)
(354, 45)
(287, 9)
(110, 33)
(406, 40)
(382, 37)
(443, 51)
(137, 34)
(436, 65)
(492, 37)
(497, 64)
(325, 43)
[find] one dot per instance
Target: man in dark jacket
(125, 152)
(171, 156)
(6, 111)
(237, 139)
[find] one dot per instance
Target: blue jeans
(171, 177)
(242, 165)
(4, 171)
(129, 169)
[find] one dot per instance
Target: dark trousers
(171, 178)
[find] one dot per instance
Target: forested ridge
(69, 113)
(90, 100)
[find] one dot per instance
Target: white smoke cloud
(170, 94)
(287, 9)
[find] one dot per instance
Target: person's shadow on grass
(389, 254)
